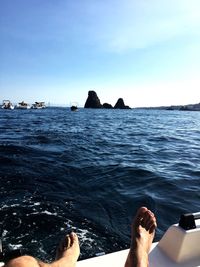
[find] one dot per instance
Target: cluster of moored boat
(22, 105)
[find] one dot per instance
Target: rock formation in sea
(92, 100)
(120, 104)
(106, 105)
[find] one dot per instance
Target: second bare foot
(142, 234)
(68, 252)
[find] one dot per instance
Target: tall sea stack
(92, 100)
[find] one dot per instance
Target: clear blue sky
(147, 51)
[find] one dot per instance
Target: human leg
(142, 234)
(25, 261)
(67, 255)
(68, 252)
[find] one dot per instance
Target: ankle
(142, 262)
(137, 258)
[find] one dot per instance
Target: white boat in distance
(38, 105)
(7, 104)
(22, 105)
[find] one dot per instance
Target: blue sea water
(91, 170)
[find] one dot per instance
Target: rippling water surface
(92, 169)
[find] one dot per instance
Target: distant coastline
(189, 107)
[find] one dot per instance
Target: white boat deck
(157, 258)
(177, 248)
(116, 259)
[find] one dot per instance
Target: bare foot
(142, 234)
(68, 251)
(66, 256)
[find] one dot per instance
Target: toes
(75, 244)
(141, 211)
(140, 215)
(63, 245)
(68, 242)
(149, 220)
(74, 239)
(146, 219)
(153, 225)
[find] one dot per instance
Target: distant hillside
(189, 107)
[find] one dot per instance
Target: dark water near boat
(92, 169)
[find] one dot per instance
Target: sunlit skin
(67, 255)
(142, 234)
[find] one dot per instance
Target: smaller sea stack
(120, 104)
